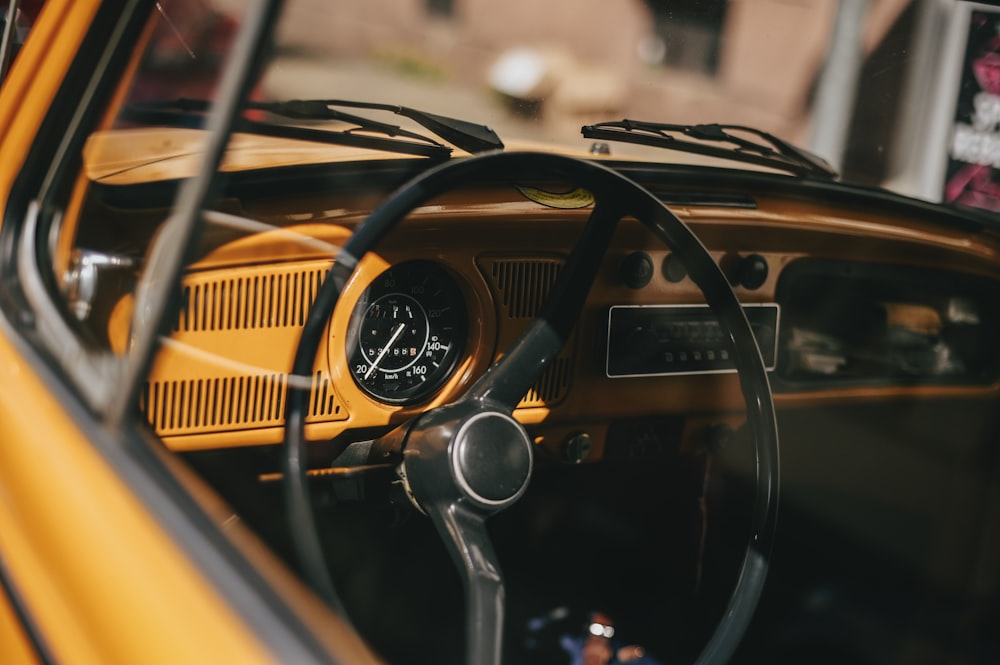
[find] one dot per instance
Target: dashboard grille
(523, 284)
(520, 286)
(274, 297)
(232, 402)
(551, 386)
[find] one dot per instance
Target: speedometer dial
(407, 333)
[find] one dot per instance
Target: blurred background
(903, 94)
(563, 63)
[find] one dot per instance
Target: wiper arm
(468, 136)
(465, 135)
(748, 145)
(193, 113)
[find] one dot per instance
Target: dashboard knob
(673, 268)
(576, 447)
(636, 270)
(752, 271)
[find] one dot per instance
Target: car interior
(612, 349)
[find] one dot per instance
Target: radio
(654, 340)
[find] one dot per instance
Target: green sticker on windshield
(577, 198)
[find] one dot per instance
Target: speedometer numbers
(407, 333)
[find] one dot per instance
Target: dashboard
(847, 302)
(876, 318)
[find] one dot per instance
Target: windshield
(854, 84)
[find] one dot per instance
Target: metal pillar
(838, 83)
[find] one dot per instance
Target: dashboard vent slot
(551, 386)
(522, 284)
(233, 402)
(323, 402)
(266, 298)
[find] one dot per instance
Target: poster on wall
(972, 177)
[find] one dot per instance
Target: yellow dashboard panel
(222, 375)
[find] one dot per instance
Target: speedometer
(407, 333)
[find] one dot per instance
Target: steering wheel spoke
(463, 530)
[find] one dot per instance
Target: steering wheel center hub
(491, 459)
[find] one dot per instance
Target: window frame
(36, 320)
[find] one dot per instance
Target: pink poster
(973, 174)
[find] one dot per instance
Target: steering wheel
(467, 460)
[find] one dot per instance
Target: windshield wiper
(468, 136)
(747, 144)
(465, 135)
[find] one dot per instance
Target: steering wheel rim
(501, 387)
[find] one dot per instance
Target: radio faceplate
(657, 340)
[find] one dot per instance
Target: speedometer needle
(385, 349)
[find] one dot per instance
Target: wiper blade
(468, 136)
(747, 144)
(465, 135)
(190, 120)
(193, 113)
